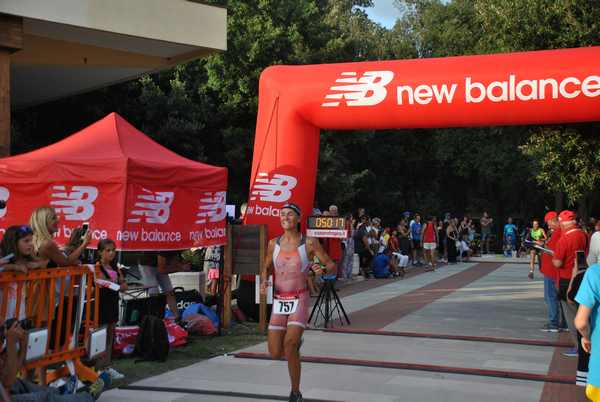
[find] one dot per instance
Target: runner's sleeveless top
(290, 269)
(536, 234)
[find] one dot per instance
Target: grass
(198, 348)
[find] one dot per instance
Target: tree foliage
(206, 109)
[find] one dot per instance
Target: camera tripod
(328, 303)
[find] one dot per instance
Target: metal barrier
(58, 299)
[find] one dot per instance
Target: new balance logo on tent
(76, 204)
(367, 90)
(154, 206)
(277, 189)
(4, 196)
(212, 207)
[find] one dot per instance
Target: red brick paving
(391, 310)
(383, 314)
(561, 365)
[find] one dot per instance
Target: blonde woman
(44, 223)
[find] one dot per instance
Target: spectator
(594, 253)
(415, 236)
(452, 238)
(394, 242)
(13, 345)
(384, 266)
(441, 237)
(362, 247)
(18, 241)
(509, 246)
(108, 270)
(212, 257)
(401, 261)
(572, 239)
(404, 237)
(510, 236)
(549, 272)
(384, 240)
(155, 268)
(463, 229)
(348, 259)
(360, 213)
(587, 322)
(429, 242)
(537, 235)
(464, 251)
(44, 223)
(486, 232)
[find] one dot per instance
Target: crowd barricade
(56, 299)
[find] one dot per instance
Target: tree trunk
(559, 201)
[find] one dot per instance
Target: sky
(384, 12)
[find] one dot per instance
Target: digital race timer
(326, 226)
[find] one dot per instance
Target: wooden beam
(4, 102)
(11, 40)
(11, 32)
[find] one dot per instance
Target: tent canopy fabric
(128, 187)
(124, 154)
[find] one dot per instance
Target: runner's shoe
(296, 397)
(530, 275)
(549, 328)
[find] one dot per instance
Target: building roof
(74, 46)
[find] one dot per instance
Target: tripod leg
(328, 309)
(339, 303)
(316, 306)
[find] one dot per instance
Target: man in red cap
(572, 240)
(551, 274)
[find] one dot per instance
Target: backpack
(152, 342)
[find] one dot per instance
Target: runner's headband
(293, 207)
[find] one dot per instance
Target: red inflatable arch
(295, 102)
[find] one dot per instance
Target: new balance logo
(76, 204)
(4, 196)
(212, 207)
(277, 189)
(155, 207)
(367, 90)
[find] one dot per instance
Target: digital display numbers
(326, 222)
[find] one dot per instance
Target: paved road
(475, 299)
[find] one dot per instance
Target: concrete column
(11, 40)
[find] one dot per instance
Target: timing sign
(326, 226)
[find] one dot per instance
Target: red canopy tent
(128, 187)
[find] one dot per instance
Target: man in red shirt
(550, 274)
(572, 239)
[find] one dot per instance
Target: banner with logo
(134, 192)
(136, 218)
(542, 87)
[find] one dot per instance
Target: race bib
(285, 306)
